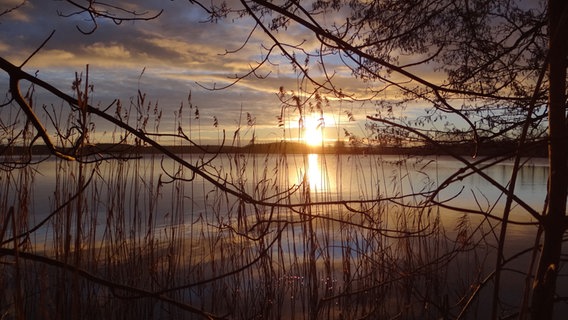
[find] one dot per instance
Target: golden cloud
(110, 50)
(54, 57)
(18, 14)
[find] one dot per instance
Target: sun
(313, 130)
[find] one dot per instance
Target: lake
(316, 236)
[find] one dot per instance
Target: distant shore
(286, 147)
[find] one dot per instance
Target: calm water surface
(333, 212)
(329, 178)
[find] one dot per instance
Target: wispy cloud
(179, 53)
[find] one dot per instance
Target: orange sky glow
(173, 56)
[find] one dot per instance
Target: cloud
(4, 47)
(178, 53)
(55, 57)
(108, 50)
(9, 11)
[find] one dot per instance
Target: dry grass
(186, 241)
(147, 238)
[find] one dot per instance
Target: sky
(167, 59)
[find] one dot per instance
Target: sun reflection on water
(315, 174)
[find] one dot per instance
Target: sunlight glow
(313, 130)
(314, 172)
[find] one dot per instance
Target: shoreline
(535, 149)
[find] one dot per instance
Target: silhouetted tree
(498, 67)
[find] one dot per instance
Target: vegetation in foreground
(503, 72)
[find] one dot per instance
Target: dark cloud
(177, 53)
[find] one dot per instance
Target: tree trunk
(554, 221)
